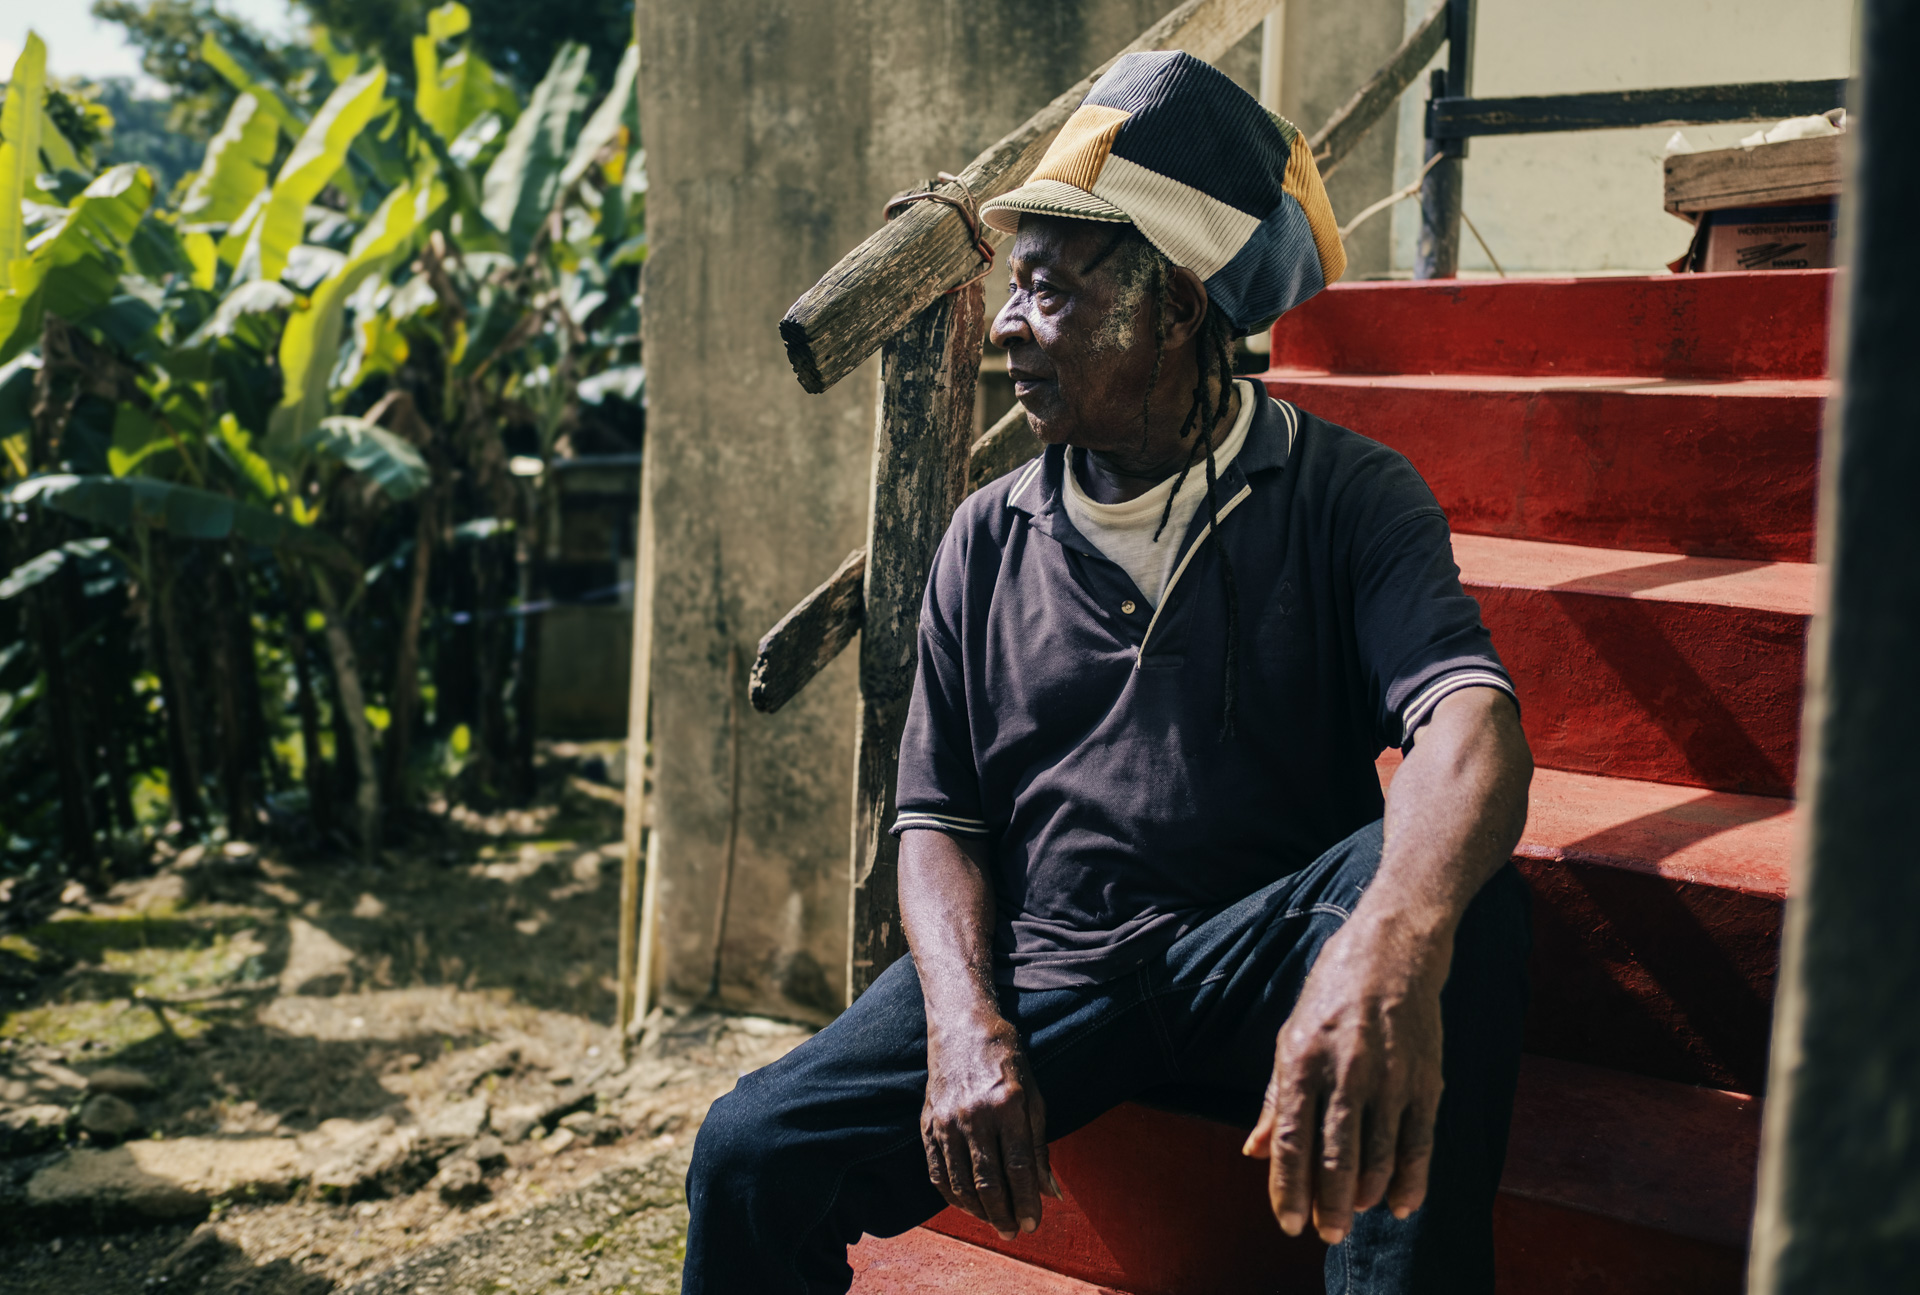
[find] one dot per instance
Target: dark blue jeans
(805, 1155)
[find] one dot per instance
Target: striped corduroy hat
(1218, 184)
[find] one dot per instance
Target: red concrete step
(1672, 465)
(1615, 1185)
(924, 1262)
(1646, 665)
(1656, 924)
(1622, 1185)
(1769, 324)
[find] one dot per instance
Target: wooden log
(1794, 170)
(1334, 141)
(901, 269)
(810, 636)
(920, 444)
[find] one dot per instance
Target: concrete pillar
(1327, 51)
(775, 131)
(1839, 1206)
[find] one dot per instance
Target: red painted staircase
(1628, 465)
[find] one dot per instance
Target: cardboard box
(1795, 237)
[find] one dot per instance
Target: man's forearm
(946, 909)
(1455, 810)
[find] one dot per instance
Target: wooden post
(1839, 1199)
(637, 888)
(904, 266)
(920, 443)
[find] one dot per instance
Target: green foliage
(223, 399)
(525, 178)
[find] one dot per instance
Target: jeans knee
(729, 1154)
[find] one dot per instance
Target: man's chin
(1044, 419)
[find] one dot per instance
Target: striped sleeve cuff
(1419, 708)
(952, 824)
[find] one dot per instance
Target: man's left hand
(1349, 1113)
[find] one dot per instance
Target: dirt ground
(262, 1072)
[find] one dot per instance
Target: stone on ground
(460, 1181)
(173, 1179)
(27, 1129)
(455, 1123)
(355, 1157)
(121, 1082)
(317, 964)
(107, 1116)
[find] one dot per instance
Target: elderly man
(1143, 847)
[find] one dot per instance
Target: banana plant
(275, 372)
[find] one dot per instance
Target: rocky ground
(263, 1073)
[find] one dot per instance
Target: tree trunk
(319, 799)
(64, 732)
(352, 710)
(176, 688)
(234, 796)
(406, 671)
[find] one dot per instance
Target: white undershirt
(1124, 532)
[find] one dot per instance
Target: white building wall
(1590, 201)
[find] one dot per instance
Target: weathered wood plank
(1792, 170)
(823, 623)
(1372, 101)
(920, 443)
(1457, 118)
(810, 636)
(1001, 448)
(899, 271)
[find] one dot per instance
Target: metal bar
(1438, 255)
(1459, 58)
(1458, 118)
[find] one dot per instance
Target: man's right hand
(984, 1126)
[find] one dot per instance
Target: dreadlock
(1143, 265)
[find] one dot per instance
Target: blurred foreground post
(1839, 1206)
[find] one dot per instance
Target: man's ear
(1185, 306)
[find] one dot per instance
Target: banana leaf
(236, 165)
(311, 341)
(616, 110)
(184, 511)
(20, 120)
(35, 569)
(393, 464)
(75, 269)
(242, 74)
(315, 160)
(521, 185)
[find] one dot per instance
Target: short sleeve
(939, 785)
(1420, 633)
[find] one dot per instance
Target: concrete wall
(774, 133)
(1592, 201)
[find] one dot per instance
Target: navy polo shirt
(1078, 727)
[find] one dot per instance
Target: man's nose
(1010, 325)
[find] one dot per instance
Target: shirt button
(1127, 607)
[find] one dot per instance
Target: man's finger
(1037, 1129)
(937, 1166)
(1414, 1157)
(1024, 1186)
(1379, 1152)
(1290, 1148)
(959, 1161)
(990, 1180)
(1256, 1143)
(1338, 1167)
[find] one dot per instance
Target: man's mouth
(1025, 381)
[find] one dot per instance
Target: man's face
(1079, 341)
